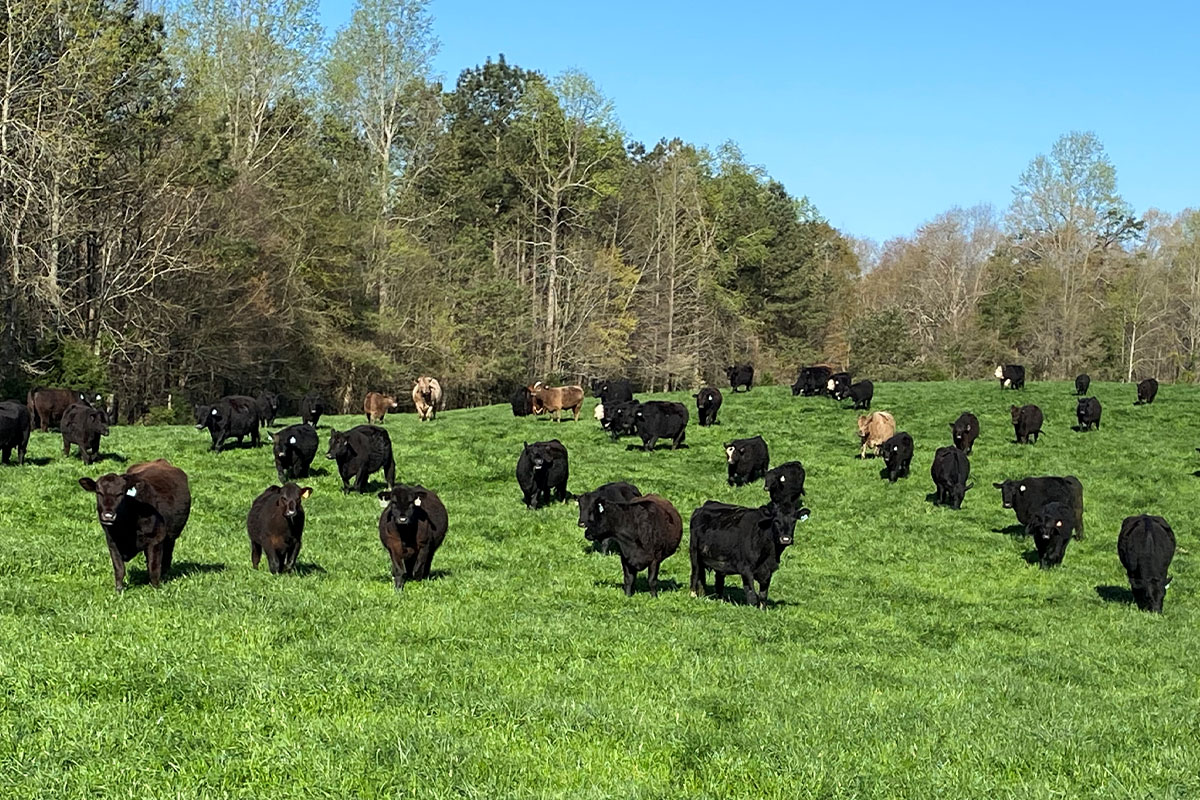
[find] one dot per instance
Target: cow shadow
(735, 595)
(434, 575)
(883, 473)
(185, 569)
(1031, 557)
(659, 446)
(641, 585)
(117, 457)
(303, 570)
(40, 461)
(1115, 594)
(316, 472)
(1195, 474)
(1011, 530)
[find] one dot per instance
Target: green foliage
(77, 367)
(882, 347)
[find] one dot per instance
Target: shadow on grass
(658, 446)
(30, 461)
(185, 569)
(303, 570)
(735, 595)
(1115, 594)
(1016, 529)
(434, 575)
(120, 459)
(641, 584)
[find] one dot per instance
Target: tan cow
(376, 406)
(875, 429)
(557, 398)
(427, 397)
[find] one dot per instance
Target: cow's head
(282, 443)
(290, 497)
(1051, 530)
(207, 417)
(404, 505)
(1009, 491)
(999, 373)
(864, 425)
(339, 446)
(114, 495)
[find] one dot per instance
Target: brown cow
(377, 405)
(875, 429)
(427, 397)
(47, 406)
(555, 399)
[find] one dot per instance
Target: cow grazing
(522, 402)
(411, 528)
(47, 406)
(15, 425)
(785, 484)
(143, 510)
(950, 471)
(747, 460)
(294, 447)
(1011, 376)
(83, 425)
(427, 397)
(897, 455)
(874, 429)
(608, 493)
(1146, 546)
(276, 525)
(964, 431)
(838, 385)
(861, 394)
(661, 419)
(740, 375)
(1087, 411)
(556, 399)
(708, 403)
(812, 381)
(359, 452)
(734, 540)
(1027, 423)
(1050, 528)
(542, 471)
(647, 530)
(620, 419)
(232, 417)
(267, 404)
(312, 407)
(377, 405)
(1082, 382)
(1146, 391)
(613, 391)
(1027, 495)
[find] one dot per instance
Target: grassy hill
(912, 651)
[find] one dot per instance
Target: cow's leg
(273, 560)
(4, 454)
(66, 446)
(652, 577)
(389, 473)
(748, 585)
(698, 587)
(254, 440)
(719, 584)
(168, 554)
(648, 446)
(398, 575)
(154, 564)
(424, 561)
(255, 554)
(763, 586)
(118, 565)
(629, 575)
(360, 480)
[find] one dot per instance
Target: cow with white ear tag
(294, 447)
(1051, 529)
(411, 528)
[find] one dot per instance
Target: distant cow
(1027, 495)
(143, 510)
(46, 406)
(964, 431)
(1146, 391)
(647, 530)
(556, 399)
(1082, 382)
(542, 470)
(1087, 411)
(861, 393)
(785, 484)
(608, 493)
(740, 375)
(427, 397)
(661, 419)
(268, 408)
(708, 403)
(747, 460)
(620, 418)
(1051, 528)
(294, 447)
(734, 540)
(83, 425)
(15, 424)
(1011, 376)
(1146, 546)
(359, 452)
(1027, 423)
(312, 407)
(950, 471)
(838, 385)
(874, 429)
(232, 417)
(897, 455)
(522, 402)
(276, 525)
(411, 528)
(613, 391)
(812, 381)
(377, 405)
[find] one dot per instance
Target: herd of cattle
(145, 509)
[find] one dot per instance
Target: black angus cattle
(1146, 391)
(1050, 528)
(1011, 376)
(1082, 382)
(46, 406)
(143, 510)
(861, 394)
(522, 402)
(608, 493)
(276, 526)
(619, 418)
(838, 385)
(83, 425)
(708, 403)
(411, 528)
(950, 472)
(1146, 546)
(15, 425)
(812, 381)
(294, 447)
(312, 407)
(613, 391)
(1027, 423)
(232, 417)
(661, 419)
(747, 460)
(734, 540)
(1027, 495)
(1087, 411)
(740, 375)
(267, 404)
(647, 530)
(542, 469)
(964, 431)
(785, 484)
(359, 452)
(897, 455)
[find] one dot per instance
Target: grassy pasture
(912, 651)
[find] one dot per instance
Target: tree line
(226, 198)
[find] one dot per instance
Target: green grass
(912, 650)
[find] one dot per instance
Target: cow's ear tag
(417, 502)
(600, 508)
(782, 478)
(131, 491)
(292, 440)
(213, 412)
(1022, 487)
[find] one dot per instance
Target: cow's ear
(384, 496)
(998, 485)
(88, 484)
(306, 492)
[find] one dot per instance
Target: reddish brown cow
(555, 399)
(47, 406)
(377, 405)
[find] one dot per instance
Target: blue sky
(883, 114)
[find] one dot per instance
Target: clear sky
(885, 113)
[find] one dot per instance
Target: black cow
(964, 431)
(1082, 382)
(1012, 376)
(897, 455)
(1146, 391)
(83, 425)
(838, 385)
(276, 525)
(660, 419)
(1146, 546)
(950, 471)
(861, 394)
(812, 381)
(295, 447)
(608, 493)
(542, 469)
(311, 409)
(267, 404)
(1087, 411)
(620, 419)
(411, 528)
(522, 402)
(647, 529)
(15, 425)
(708, 403)
(740, 375)
(1027, 423)
(785, 484)
(748, 460)
(232, 417)
(734, 540)
(1027, 495)
(613, 391)
(359, 452)
(1050, 528)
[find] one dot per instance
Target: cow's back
(172, 495)
(666, 526)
